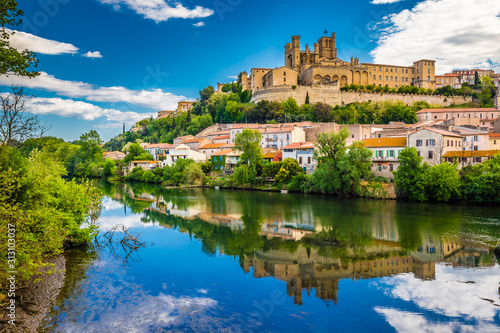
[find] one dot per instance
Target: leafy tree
(289, 169)
(411, 176)
(323, 112)
(241, 174)
(206, 93)
(482, 182)
(307, 98)
(477, 80)
(331, 146)
(137, 153)
(13, 61)
(248, 142)
(109, 168)
(443, 182)
(194, 174)
(271, 169)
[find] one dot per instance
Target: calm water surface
(231, 261)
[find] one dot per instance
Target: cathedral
(320, 66)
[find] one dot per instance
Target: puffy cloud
(199, 24)
(155, 99)
(81, 110)
(448, 294)
(22, 41)
(95, 54)
(159, 10)
(457, 33)
(404, 321)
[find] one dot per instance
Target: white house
(302, 152)
(182, 152)
(155, 147)
(385, 154)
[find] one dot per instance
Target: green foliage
(175, 175)
(375, 190)
(411, 176)
(271, 169)
(339, 172)
(248, 142)
(241, 174)
(12, 60)
(289, 169)
(194, 174)
(443, 182)
(137, 153)
(48, 212)
(109, 168)
(482, 182)
(331, 146)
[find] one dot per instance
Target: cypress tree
(307, 98)
(477, 81)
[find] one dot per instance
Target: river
(242, 261)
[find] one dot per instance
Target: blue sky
(106, 62)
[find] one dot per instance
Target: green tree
(137, 153)
(109, 168)
(331, 146)
(248, 142)
(477, 80)
(194, 174)
(13, 61)
(241, 174)
(289, 169)
(411, 176)
(443, 182)
(307, 98)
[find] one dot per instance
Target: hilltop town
(317, 77)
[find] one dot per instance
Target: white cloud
(160, 10)
(155, 99)
(95, 54)
(81, 110)
(448, 295)
(199, 24)
(22, 41)
(404, 321)
(381, 2)
(235, 77)
(457, 33)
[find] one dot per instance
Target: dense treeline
(445, 182)
(40, 210)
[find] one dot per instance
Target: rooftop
(223, 152)
(300, 145)
(385, 142)
(474, 153)
(212, 146)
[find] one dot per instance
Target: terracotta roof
(439, 131)
(385, 142)
(494, 135)
(300, 145)
(212, 146)
(228, 145)
(150, 162)
(474, 153)
(158, 145)
(457, 110)
(192, 140)
(223, 152)
(272, 154)
(222, 137)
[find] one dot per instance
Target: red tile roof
(222, 137)
(385, 142)
(212, 146)
(223, 152)
(300, 145)
(474, 153)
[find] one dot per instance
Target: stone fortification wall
(324, 94)
(333, 96)
(351, 97)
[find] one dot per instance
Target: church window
(380, 77)
(374, 77)
(380, 69)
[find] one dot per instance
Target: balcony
(384, 159)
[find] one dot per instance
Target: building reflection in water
(311, 267)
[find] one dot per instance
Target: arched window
(391, 168)
(379, 167)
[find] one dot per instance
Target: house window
(379, 167)
(478, 159)
(300, 160)
(476, 147)
(391, 167)
(419, 143)
(430, 154)
(432, 142)
(447, 143)
(374, 77)
(309, 160)
(418, 153)
(391, 153)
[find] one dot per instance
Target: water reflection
(312, 243)
(412, 267)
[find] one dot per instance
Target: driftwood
(122, 243)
